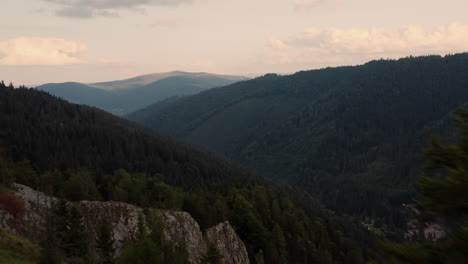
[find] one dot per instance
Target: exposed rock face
(125, 220)
(227, 241)
(180, 226)
(37, 204)
(123, 217)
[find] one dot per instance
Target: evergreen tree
(259, 259)
(105, 242)
(280, 243)
(59, 225)
(77, 238)
(50, 245)
(212, 255)
(143, 252)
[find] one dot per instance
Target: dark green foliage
(66, 238)
(259, 259)
(267, 221)
(271, 222)
(446, 193)
(286, 228)
(279, 243)
(76, 240)
(105, 242)
(15, 249)
(444, 197)
(80, 186)
(13, 172)
(212, 255)
(50, 249)
(152, 247)
(349, 135)
(144, 251)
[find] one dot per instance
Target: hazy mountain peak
(153, 77)
(128, 95)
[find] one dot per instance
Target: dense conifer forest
(81, 153)
(351, 136)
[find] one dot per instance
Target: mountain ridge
(135, 93)
(152, 77)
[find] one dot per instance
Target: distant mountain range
(350, 135)
(124, 96)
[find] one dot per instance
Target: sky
(45, 41)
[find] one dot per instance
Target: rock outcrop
(178, 226)
(231, 247)
(181, 227)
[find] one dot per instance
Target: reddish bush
(13, 206)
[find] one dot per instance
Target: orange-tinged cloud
(301, 4)
(171, 21)
(348, 44)
(41, 51)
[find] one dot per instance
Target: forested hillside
(50, 132)
(82, 153)
(121, 97)
(350, 135)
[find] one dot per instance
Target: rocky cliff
(126, 219)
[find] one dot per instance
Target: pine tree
(212, 255)
(280, 243)
(105, 242)
(50, 245)
(259, 259)
(76, 239)
(59, 225)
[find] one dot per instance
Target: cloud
(84, 12)
(170, 21)
(348, 45)
(93, 8)
(276, 44)
(105, 4)
(41, 51)
(307, 4)
(75, 12)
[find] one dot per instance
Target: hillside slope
(79, 93)
(50, 132)
(129, 100)
(351, 135)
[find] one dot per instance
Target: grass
(16, 250)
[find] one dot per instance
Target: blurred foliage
(444, 198)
